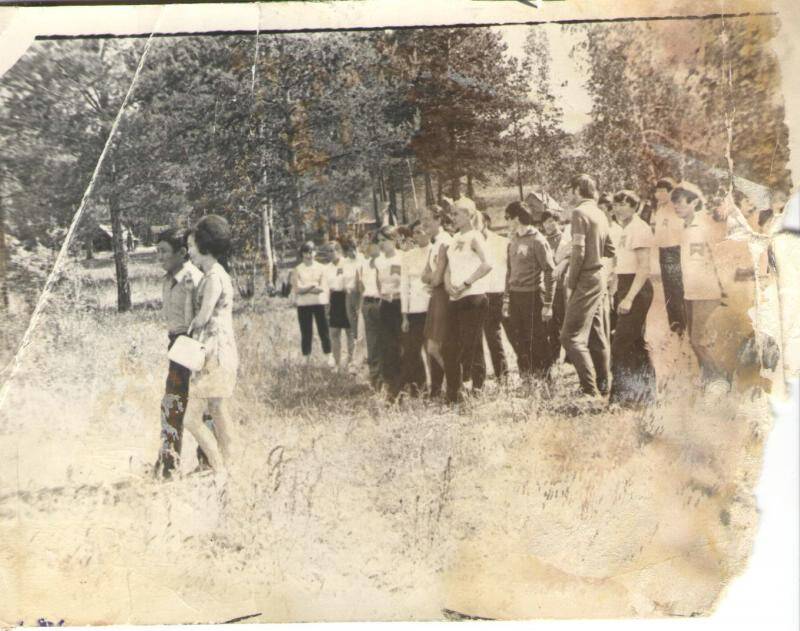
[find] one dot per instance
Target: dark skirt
(437, 320)
(338, 313)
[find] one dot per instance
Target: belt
(371, 299)
(391, 297)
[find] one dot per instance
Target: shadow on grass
(293, 387)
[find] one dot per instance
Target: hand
(458, 290)
(624, 307)
(404, 326)
(316, 290)
(547, 314)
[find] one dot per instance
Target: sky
(567, 76)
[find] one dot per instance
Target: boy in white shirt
(497, 250)
(414, 299)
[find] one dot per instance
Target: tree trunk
(392, 202)
(375, 208)
(439, 192)
(120, 253)
(455, 187)
(430, 200)
(403, 204)
(3, 255)
(470, 187)
(266, 244)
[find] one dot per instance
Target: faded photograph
(412, 324)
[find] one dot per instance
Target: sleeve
(544, 256)
(579, 229)
(642, 237)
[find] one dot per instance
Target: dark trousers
(672, 281)
(633, 374)
(491, 329)
(413, 367)
(371, 310)
(584, 335)
(173, 409)
(530, 333)
(391, 321)
(306, 316)
(553, 328)
(466, 340)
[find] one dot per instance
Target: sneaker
(331, 362)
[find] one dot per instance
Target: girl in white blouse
(388, 269)
(414, 298)
(310, 294)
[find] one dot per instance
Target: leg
(633, 375)
(391, 323)
(305, 319)
(223, 427)
(452, 356)
(352, 301)
(202, 434)
(173, 408)
(581, 315)
(473, 332)
(672, 281)
(322, 328)
(350, 337)
(372, 333)
(336, 343)
(436, 366)
(600, 335)
(494, 340)
(540, 351)
(699, 313)
(520, 305)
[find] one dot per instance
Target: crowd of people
(429, 294)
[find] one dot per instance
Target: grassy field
(339, 507)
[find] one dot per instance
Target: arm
(405, 291)
(544, 256)
(441, 265)
(642, 274)
(578, 249)
(212, 290)
(485, 267)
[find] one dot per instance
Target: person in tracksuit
(584, 335)
(531, 289)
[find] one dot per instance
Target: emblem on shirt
(697, 249)
(522, 249)
(339, 272)
(459, 246)
(395, 269)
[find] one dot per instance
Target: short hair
(308, 248)
(548, 215)
(585, 185)
(689, 192)
(520, 212)
(627, 197)
(738, 196)
(347, 243)
(174, 237)
(487, 220)
(212, 235)
(605, 200)
(666, 183)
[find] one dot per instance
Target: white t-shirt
(667, 227)
(700, 281)
(442, 238)
(635, 235)
(497, 252)
(414, 294)
(463, 261)
(368, 273)
(389, 269)
(314, 275)
(342, 275)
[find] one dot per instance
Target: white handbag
(188, 352)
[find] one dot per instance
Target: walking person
(701, 287)
(389, 267)
(668, 232)
(437, 222)
(353, 301)
(209, 245)
(310, 295)
(341, 281)
(530, 291)
(497, 250)
(467, 266)
(181, 279)
(633, 374)
(367, 281)
(584, 335)
(414, 298)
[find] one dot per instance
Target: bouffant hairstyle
(627, 197)
(212, 235)
(520, 212)
(667, 183)
(307, 248)
(689, 192)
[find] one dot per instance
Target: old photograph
(397, 323)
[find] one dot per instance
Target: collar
(528, 230)
(180, 274)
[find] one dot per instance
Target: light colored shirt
(177, 295)
(634, 236)
(414, 294)
(342, 275)
(389, 269)
(700, 281)
(668, 227)
(497, 252)
(314, 275)
(368, 275)
(442, 238)
(463, 261)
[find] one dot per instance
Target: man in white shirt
(367, 282)
(497, 250)
(414, 298)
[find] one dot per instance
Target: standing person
(367, 275)
(353, 303)
(668, 231)
(341, 281)
(437, 221)
(530, 291)
(467, 266)
(497, 250)
(209, 245)
(701, 286)
(606, 204)
(180, 280)
(389, 267)
(414, 298)
(310, 294)
(584, 335)
(555, 235)
(633, 374)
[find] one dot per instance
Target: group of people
(429, 294)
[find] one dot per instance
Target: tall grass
(340, 506)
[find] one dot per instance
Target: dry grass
(341, 507)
